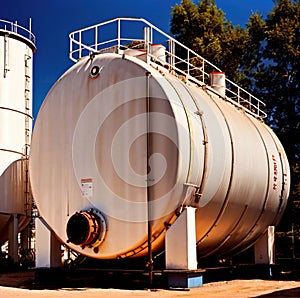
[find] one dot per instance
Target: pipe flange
(86, 228)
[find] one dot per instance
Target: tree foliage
(205, 29)
(263, 57)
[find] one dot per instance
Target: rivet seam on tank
(95, 71)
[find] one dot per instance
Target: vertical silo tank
(17, 46)
(124, 142)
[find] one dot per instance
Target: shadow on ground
(283, 293)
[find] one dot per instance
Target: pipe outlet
(86, 228)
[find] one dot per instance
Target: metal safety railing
(120, 34)
(15, 28)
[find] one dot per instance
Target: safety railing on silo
(119, 34)
(16, 28)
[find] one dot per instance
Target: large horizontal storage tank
(16, 51)
(122, 140)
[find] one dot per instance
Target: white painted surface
(180, 242)
(43, 248)
(264, 248)
(218, 82)
(97, 129)
(16, 55)
(14, 52)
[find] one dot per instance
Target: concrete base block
(185, 279)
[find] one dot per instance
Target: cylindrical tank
(118, 143)
(16, 51)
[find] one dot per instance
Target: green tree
(205, 29)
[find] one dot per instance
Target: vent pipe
(217, 82)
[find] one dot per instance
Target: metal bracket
(197, 194)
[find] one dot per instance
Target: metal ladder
(28, 117)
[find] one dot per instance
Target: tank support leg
(25, 241)
(181, 242)
(264, 248)
(13, 238)
(48, 248)
(181, 252)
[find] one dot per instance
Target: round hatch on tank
(95, 71)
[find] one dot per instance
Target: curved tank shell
(118, 142)
(14, 198)
(16, 49)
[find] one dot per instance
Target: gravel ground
(21, 285)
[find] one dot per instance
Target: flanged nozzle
(86, 228)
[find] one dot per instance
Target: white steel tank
(120, 142)
(16, 49)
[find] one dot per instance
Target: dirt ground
(21, 284)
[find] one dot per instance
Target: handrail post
(119, 36)
(147, 41)
(29, 28)
(172, 54)
(70, 46)
(151, 35)
(80, 45)
(188, 62)
(203, 72)
(96, 38)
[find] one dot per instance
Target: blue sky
(53, 20)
